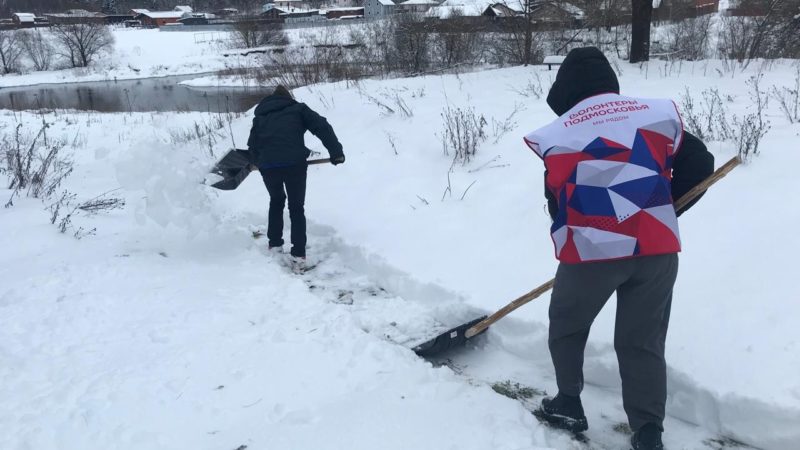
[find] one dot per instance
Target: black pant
(294, 178)
(644, 298)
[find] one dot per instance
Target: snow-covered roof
(419, 2)
(449, 8)
(386, 2)
(140, 10)
(572, 9)
(25, 17)
(164, 14)
(503, 10)
(345, 8)
(183, 8)
(288, 10)
(194, 15)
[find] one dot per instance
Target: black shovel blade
(234, 167)
(454, 337)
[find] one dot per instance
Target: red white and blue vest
(609, 166)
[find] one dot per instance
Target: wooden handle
(679, 205)
(310, 162)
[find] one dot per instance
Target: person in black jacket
(278, 148)
(642, 281)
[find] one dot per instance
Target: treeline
(122, 6)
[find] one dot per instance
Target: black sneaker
(647, 438)
(564, 412)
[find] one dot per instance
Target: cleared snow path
(513, 356)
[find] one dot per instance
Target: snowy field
(144, 53)
(171, 328)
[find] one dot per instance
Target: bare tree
(10, 50)
(37, 48)
(456, 43)
(641, 16)
(687, 39)
(81, 43)
(761, 29)
(518, 43)
(412, 42)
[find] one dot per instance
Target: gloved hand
(337, 160)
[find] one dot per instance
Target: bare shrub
(516, 43)
(532, 87)
(373, 45)
(751, 128)
(788, 98)
(37, 48)
(81, 43)
(772, 33)
(508, 124)
(64, 209)
(411, 43)
(455, 43)
(35, 164)
(710, 120)
(463, 131)
(256, 33)
(10, 50)
(37, 167)
(687, 39)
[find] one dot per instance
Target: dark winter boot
(647, 438)
(564, 412)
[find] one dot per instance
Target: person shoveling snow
(278, 150)
(613, 165)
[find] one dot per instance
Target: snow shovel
(236, 165)
(459, 335)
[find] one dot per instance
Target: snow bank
(171, 328)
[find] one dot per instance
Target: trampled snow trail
(390, 304)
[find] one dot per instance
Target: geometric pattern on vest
(614, 201)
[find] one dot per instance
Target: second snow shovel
(459, 335)
(236, 165)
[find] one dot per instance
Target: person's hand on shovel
(337, 160)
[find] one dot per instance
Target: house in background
(683, 9)
(376, 9)
(500, 10)
(562, 14)
(157, 19)
(24, 20)
(417, 6)
(344, 13)
(297, 4)
(271, 11)
(226, 12)
(196, 18)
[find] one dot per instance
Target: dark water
(150, 94)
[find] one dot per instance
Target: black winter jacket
(586, 72)
(278, 128)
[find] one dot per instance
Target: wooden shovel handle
(310, 162)
(679, 205)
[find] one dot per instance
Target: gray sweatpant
(644, 296)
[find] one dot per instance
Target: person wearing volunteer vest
(613, 166)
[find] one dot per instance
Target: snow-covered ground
(172, 328)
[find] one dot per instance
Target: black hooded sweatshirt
(586, 72)
(280, 123)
